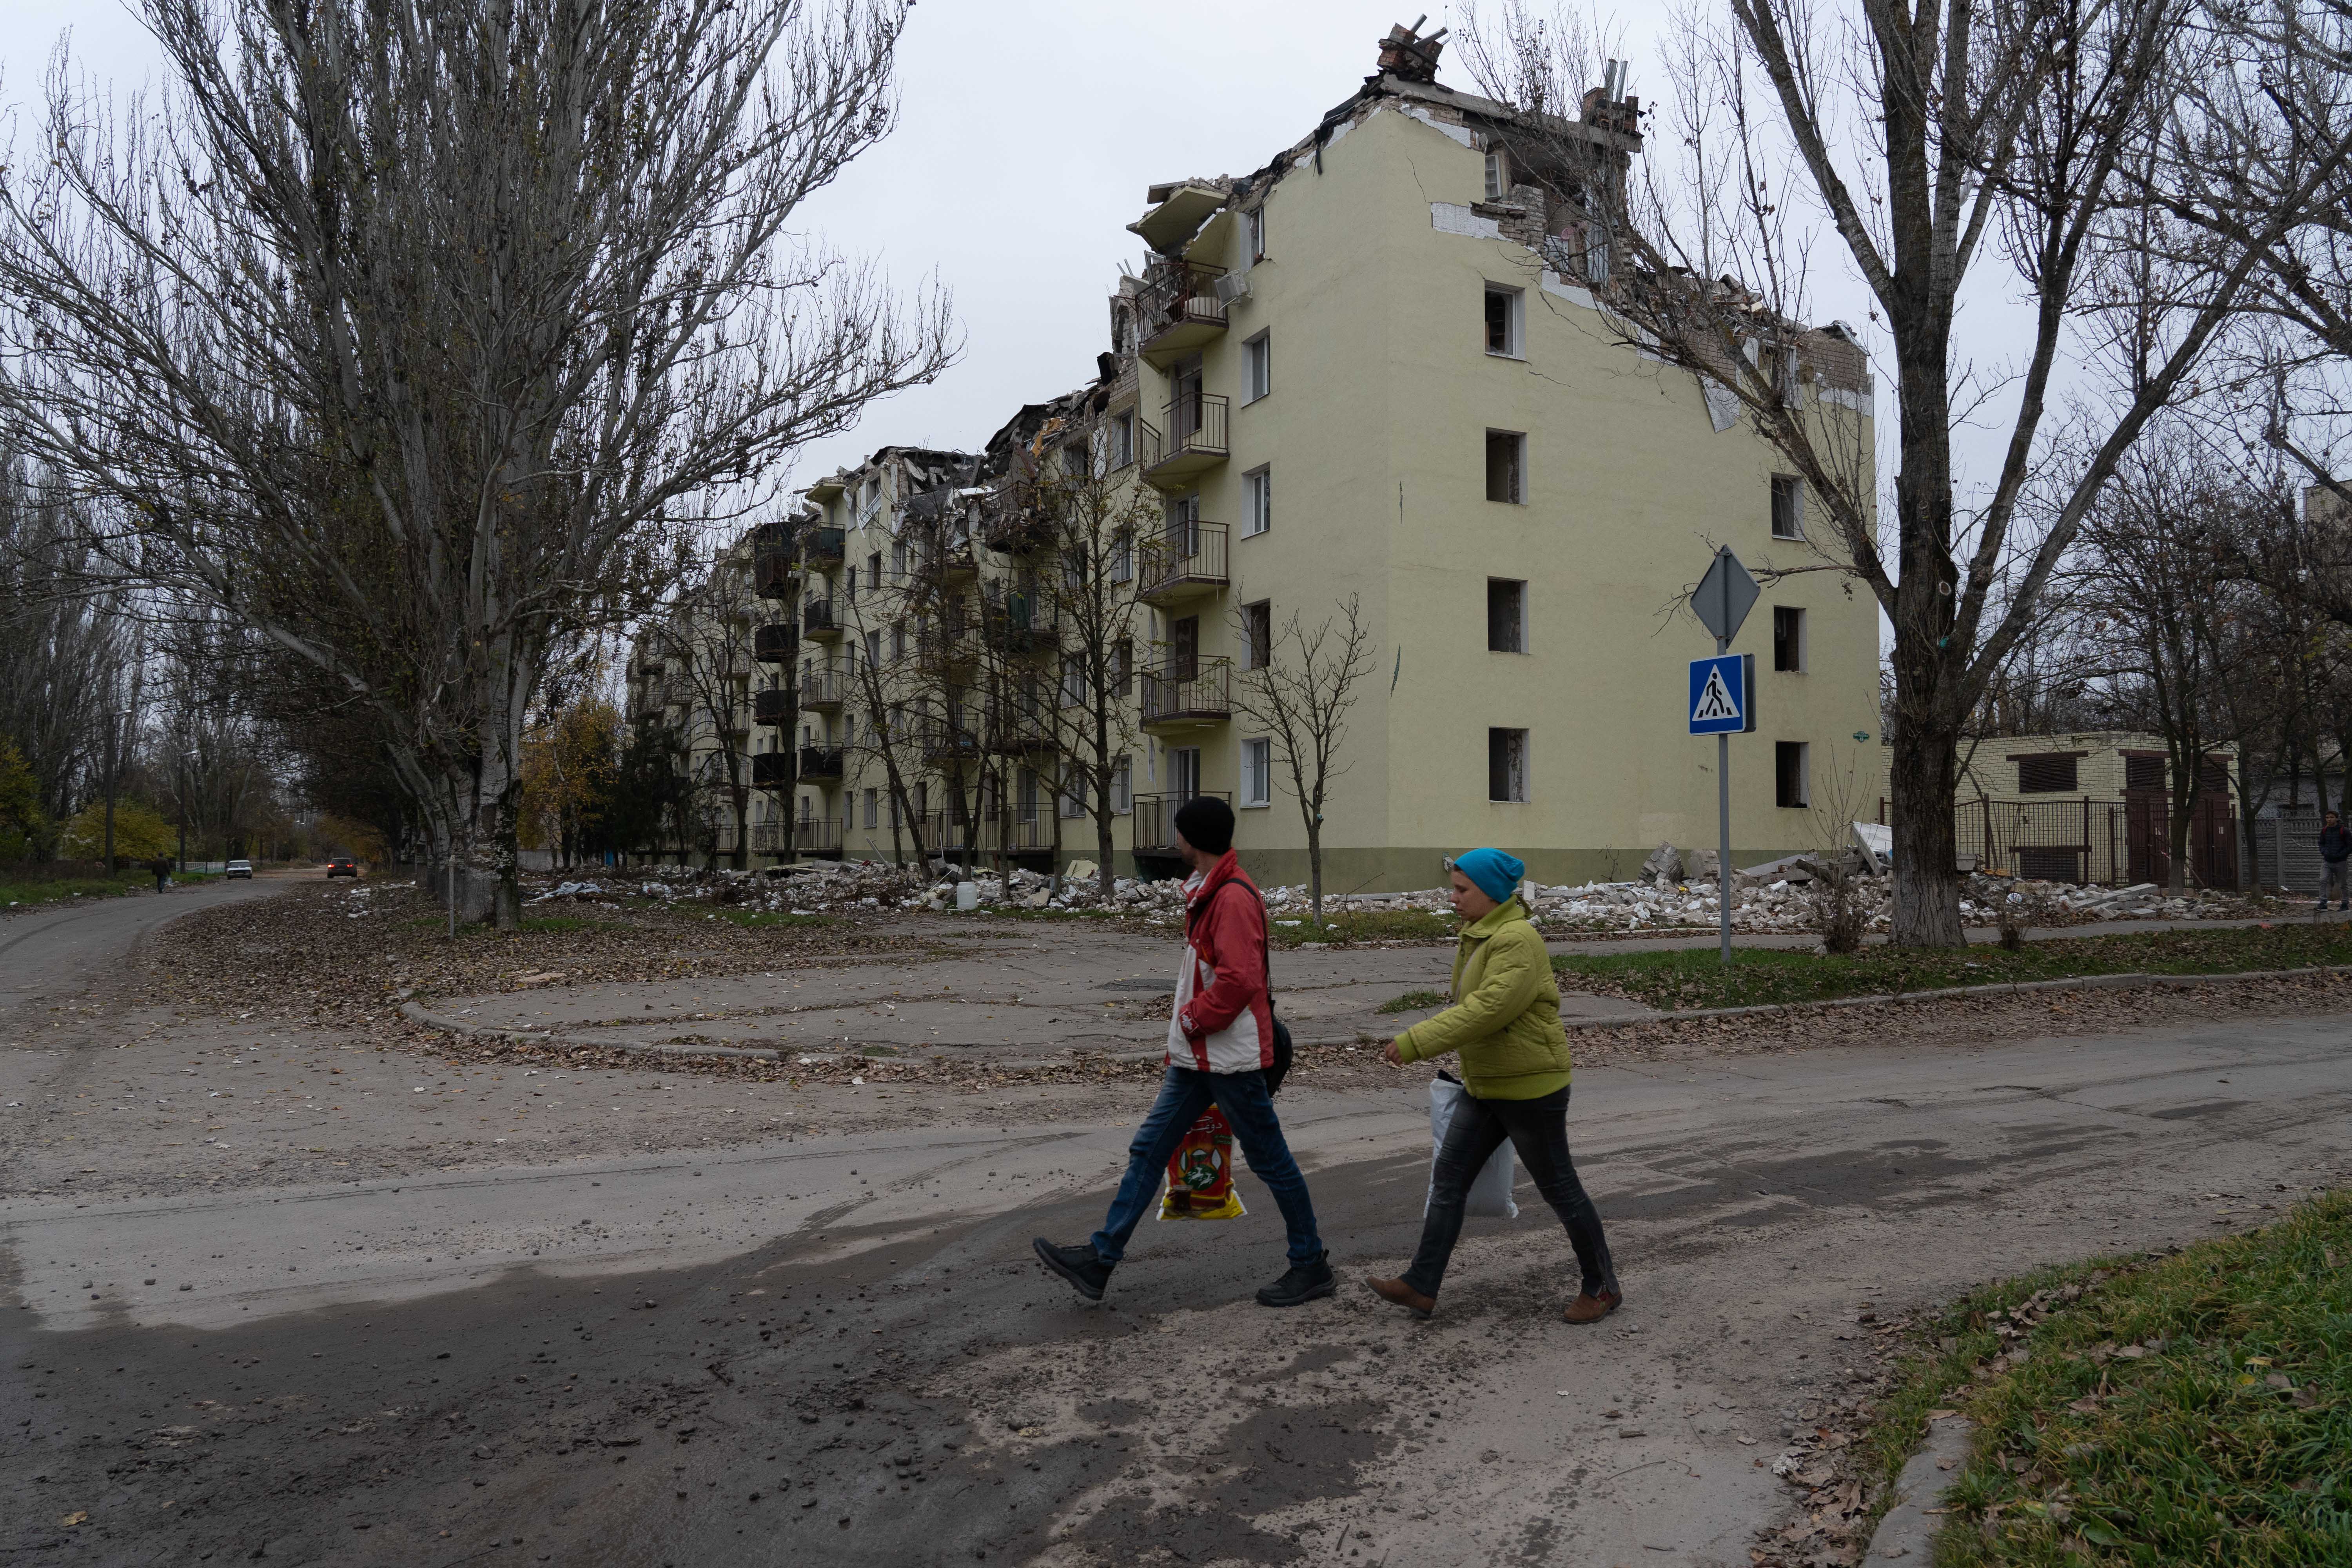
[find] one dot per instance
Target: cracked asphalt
(837, 1349)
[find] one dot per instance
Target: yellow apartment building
(1372, 371)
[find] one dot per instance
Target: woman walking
(1504, 1022)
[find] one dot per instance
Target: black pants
(1537, 1128)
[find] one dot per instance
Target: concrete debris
(1664, 865)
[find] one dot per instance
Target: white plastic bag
(1489, 1195)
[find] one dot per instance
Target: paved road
(54, 957)
(838, 1351)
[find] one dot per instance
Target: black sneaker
(1302, 1284)
(1086, 1273)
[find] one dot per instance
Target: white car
(239, 868)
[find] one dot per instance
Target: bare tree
(1300, 693)
(414, 331)
(706, 645)
(1940, 143)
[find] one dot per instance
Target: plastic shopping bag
(1200, 1173)
(1490, 1191)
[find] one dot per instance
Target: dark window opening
(1506, 764)
(2144, 772)
(2045, 776)
(1505, 466)
(1257, 623)
(1789, 771)
(1787, 638)
(1499, 321)
(1506, 615)
(1788, 506)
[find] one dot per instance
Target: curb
(1906, 1529)
(2009, 989)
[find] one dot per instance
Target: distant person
(1504, 1022)
(2335, 851)
(1220, 1043)
(161, 868)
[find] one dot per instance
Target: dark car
(342, 866)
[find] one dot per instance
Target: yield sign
(1724, 596)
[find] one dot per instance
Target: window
(1252, 237)
(922, 800)
(1074, 680)
(1122, 788)
(1503, 322)
(1257, 627)
(1506, 764)
(1787, 638)
(1257, 773)
(1788, 773)
(873, 649)
(1184, 772)
(850, 583)
(2143, 773)
(1507, 453)
(1074, 799)
(873, 808)
(1122, 667)
(1788, 506)
(898, 817)
(1184, 649)
(1498, 173)
(1122, 558)
(1074, 460)
(1260, 353)
(874, 569)
(898, 561)
(1506, 615)
(1122, 439)
(1257, 501)
(898, 640)
(2052, 775)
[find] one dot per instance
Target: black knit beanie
(1207, 824)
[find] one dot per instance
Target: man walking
(1220, 1043)
(2335, 850)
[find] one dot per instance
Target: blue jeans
(1184, 1094)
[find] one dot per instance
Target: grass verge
(1416, 1001)
(2193, 1408)
(17, 895)
(1695, 977)
(1368, 925)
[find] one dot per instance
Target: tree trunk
(2179, 831)
(1315, 870)
(1927, 851)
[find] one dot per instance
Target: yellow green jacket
(1505, 1015)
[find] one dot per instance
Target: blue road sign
(1720, 694)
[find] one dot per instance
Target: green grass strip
(2197, 1408)
(1415, 1001)
(1696, 977)
(64, 889)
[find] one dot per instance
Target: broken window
(1506, 764)
(1253, 237)
(1788, 773)
(1498, 173)
(1788, 506)
(1502, 320)
(1260, 349)
(1506, 615)
(1505, 466)
(1258, 499)
(2046, 775)
(1122, 439)
(1257, 625)
(1257, 771)
(1787, 638)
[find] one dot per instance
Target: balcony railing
(1024, 623)
(822, 690)
(1154, 822)
(817, 620)
(1182, 560)
(1196, 442)
(817, 836)
(943, 642)
(1178, 313)
(1193, 691)
(821, 765)
(951, 561)
(949, 833)
(771, 838)
(771, 706)
(946, 744)
(771, 771)
(821, 547)
(778, 642)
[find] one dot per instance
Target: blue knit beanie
(1496, 874)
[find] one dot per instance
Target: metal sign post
(1723, 701)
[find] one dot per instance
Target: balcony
(1183, 560)
(949, 745)
(1022, 624)
(1017, 733)
(817, 836)
(771, 570)
(771, 771)
(1188, 694)
(948, 562)
(772, 706)
(778, 642)
(1195, 443)
(1155, 820)
(943, 644)
(821, 765)
(821, 690)
(821, 547)
(946, 833)
(1177, 314)
(817, 621)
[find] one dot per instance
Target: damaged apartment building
(1375, 370)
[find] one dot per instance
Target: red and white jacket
(1223, 1022)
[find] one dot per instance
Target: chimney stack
(1405, 53)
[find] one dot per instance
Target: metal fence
(2088, 841)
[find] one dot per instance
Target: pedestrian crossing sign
(1721, 693)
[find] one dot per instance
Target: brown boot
(1403, 1295)
(1587, 1309)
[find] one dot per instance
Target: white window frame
(1258, 367)
(1252, 237)
(1498, 175)
(1515, 321)
(1122, 787)
(873, 808)
(1257, 773)
(1122, 425)
(1258, 489)
(1796, 507)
